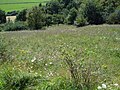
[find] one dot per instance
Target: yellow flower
(22, 51)
(104, 66)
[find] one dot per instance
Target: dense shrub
(2, 17)
(1, 27)
(13, 79)
(80, 71)
(74, 4)
(54, 19)
(93, 13)
(48, 20)
(65, 2)
(53, 7)
(71, 16)
(16, 26)
(59, 83)
(114, 18)
(65, 12)
(57, 19)
(12, 13)
(22, 15)
(35, 18)
(109, 6)
(80, 21)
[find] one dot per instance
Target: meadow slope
(39, 52)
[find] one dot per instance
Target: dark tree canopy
(35, 19)
(93, 13)
(22, 15)
(2, 17)
(73, 12)
(53, 7)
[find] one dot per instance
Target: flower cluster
(103, 86)
(108, 87)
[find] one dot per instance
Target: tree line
(72, 12)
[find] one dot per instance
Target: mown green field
(44, 54)
(11, 5)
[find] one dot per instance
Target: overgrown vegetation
(22, 15)
(14, 26)
(2, 17)
(62, 57)
(3, 50)
(35, 18)
(114, 18)
(14, 79)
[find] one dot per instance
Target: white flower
(99, 87)
(46, 64)
(117, 38)
(50, 74)
(104, 86)
(115, 84)
(40, 75)
(36, 73)
(33, 59)
(45, 68)
(50, 63)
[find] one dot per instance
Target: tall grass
(3, 50)
(62, 58)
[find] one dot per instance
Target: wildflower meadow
(61, 58)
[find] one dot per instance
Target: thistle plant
(81, 72)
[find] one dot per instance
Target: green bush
(93, 13)
(59, 83)
(16, 26)
(48, 20)
(80, 71)
(53, 7)
(57, 19)
(54, 19)
(109, 6)
(2, 17)
(71, 16)
(13, 79)
(80, 21)
(114, 18)
(22, 15)
(35, 18)
(1, 27)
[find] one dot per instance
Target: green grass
(11, 5)
(99, 45)
(13, 1)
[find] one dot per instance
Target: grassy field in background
(38, 52)
(11, 5)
